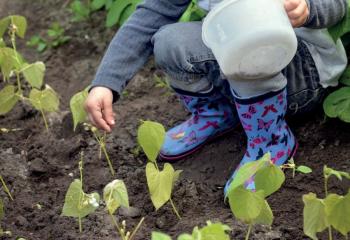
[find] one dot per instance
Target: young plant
(55, 38)
(336, 104)
(250, 206)
(115, 195)
(300, 168)
(163, 83)
(12, 63)
(77, 203)
(331, 212)
(217, 231)
(79, 116)
(160, 183)
(81, 11)
(117, 11)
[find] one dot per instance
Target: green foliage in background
(55, 38)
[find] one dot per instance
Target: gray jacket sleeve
(325, 13)
(131, 46)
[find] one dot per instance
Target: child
(259, 105)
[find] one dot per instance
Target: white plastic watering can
(250, 39)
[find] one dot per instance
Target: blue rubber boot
(212, 115)
(263, 120)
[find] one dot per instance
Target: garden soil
(39, 165)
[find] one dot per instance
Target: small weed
(55, 38)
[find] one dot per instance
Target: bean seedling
(11, 62)
(250, 206)
(80, 115)
(160, 183)
(217, 231)
(331, 212)
(77, 203)
(115, 195)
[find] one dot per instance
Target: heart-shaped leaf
(77, 203)
(246, 205)
(315, 219)
(150, 136)
(160, 183)
(77, 107)
(20, 23)
(34, 74)
(115, 195)
(338, 211)
(45, 100)
(248, 170)
(269, 178)
(337, 104)
(8, 99)
(266, 216)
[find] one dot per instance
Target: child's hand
(298, 11)
(99, 108)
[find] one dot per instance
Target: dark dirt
(38, 165)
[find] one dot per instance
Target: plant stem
(102, 144)
(80, 225)
(81, 167)
(45, 121)
(137, 228)
(175, 210)
(330, 235)
(5, 187)
(326, 186)
(117, 226)
(249, 230)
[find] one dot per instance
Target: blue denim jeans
(192, 67)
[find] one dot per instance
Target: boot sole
(167, 158)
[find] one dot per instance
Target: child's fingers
(108, 114)
(96, 118)
(297, 22)
(298, 12)
(290, 5)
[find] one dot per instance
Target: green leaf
(97, 4)
(109, 4)
(266, 216)
(339, 174)
(185, 236)
(315, 219)
(2, 43)
(160, 236)
(34, 74)
(269, 178)
(45, 100)
(77, 203)
(128, 11)
(150, 136)
(9, 61)
(8, 99)
(248, 170)
(193, 13)
(340, 28)
(345, 78)
(337, 104)
(338, 211)
(245, 204)
(4, 24)
(115, 195)
(21, 24)
(215, 231)
(304, 169)
(77, 107)
(160, 183)
(115, 12)
(81, 12)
